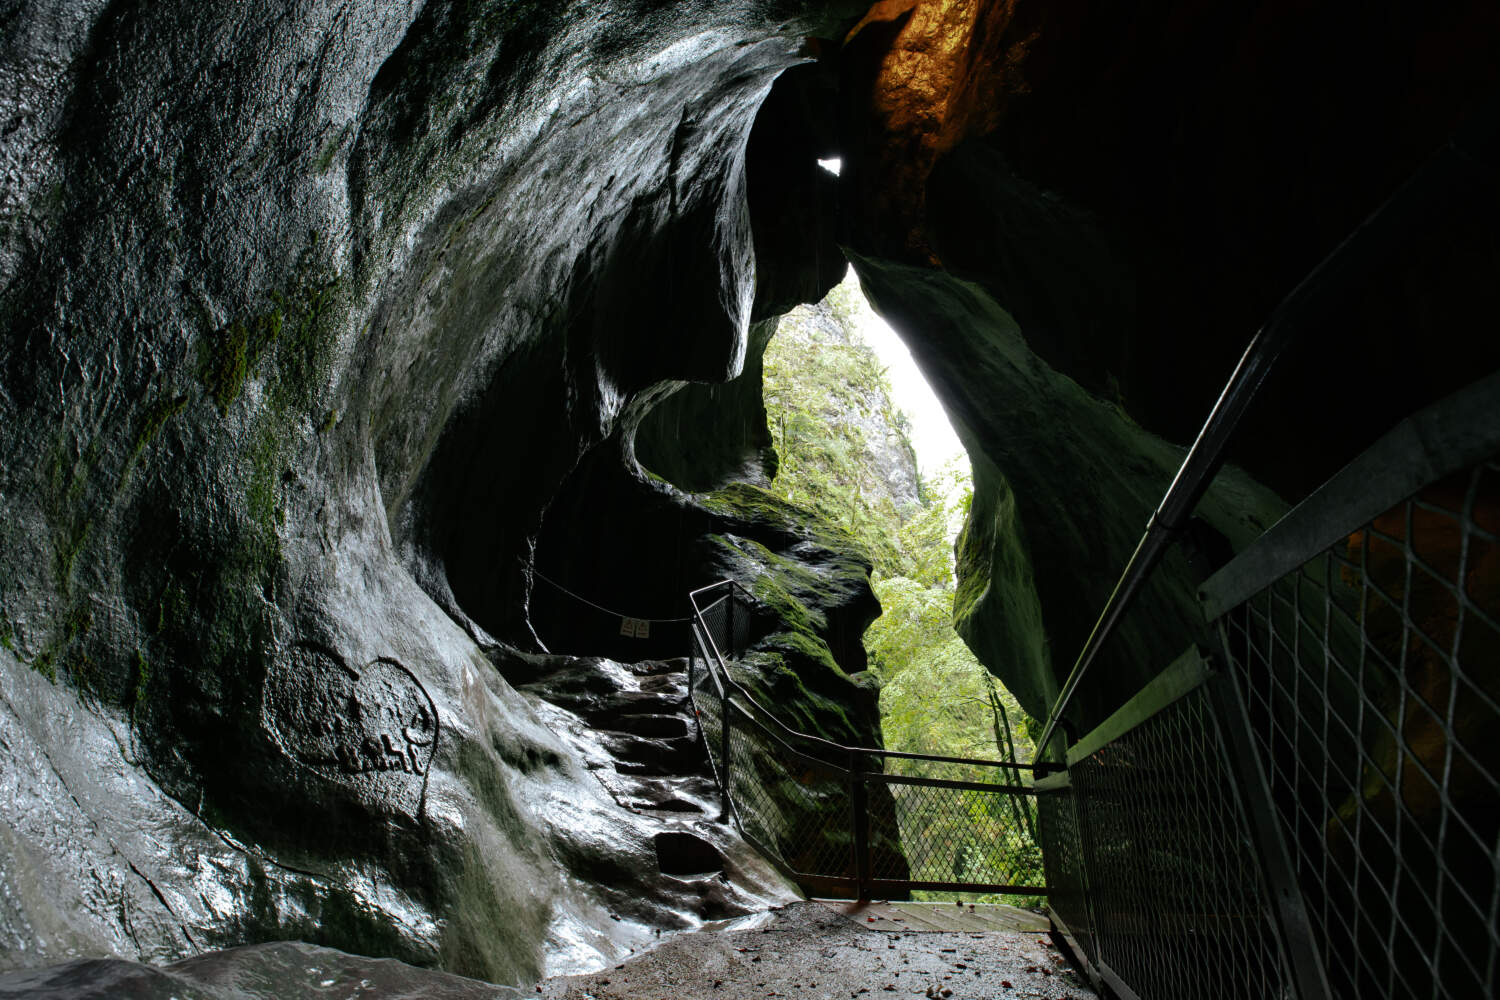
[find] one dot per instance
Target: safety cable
(609, 611)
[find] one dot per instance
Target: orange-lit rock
(939, 72)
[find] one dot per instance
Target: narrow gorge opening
(863, 441)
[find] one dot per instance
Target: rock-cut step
(640, 714)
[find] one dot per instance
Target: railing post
(1288, 909)
(725, 721)
(729, 651)
(860, 811)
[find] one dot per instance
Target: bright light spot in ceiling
(833, 165)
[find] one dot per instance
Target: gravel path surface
(807, 951)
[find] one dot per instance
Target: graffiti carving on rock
(376, 724)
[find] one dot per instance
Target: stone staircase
(638, 715)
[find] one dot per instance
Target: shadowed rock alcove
(685, 855)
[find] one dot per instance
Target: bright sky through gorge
(931, 434)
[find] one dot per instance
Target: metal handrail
(727, 682)
(868, 868)
(1442, 177)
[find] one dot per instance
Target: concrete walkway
(883, 915)
(840, 951)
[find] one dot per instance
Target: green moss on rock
(230, 354)
(296, 332)
(142, 678)
(63, 652)
(153, 420)
(810, 582)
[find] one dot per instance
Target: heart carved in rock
(343, 723)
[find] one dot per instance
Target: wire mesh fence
(854, 821)
(1067, 895)
(961, 828)
(708, 702)
(1371, 673)
(793, 807)
(1155, 877)
(1179, 906)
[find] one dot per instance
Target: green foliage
(823, 386)
(936, 697)
(826, 395)
(925, 540)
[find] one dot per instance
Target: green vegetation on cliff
(842, 446)
(845, 454)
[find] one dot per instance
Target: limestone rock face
(308, 311)
(865, 409)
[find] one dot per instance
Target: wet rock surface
(307, 313)
(802, 949)
(320, 323)
(632, 727)
(288, 969)
(639, 714)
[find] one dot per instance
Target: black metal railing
(1149, 839)
(1364, 633)
(1320, 815)
(853, 821)
(1312, 808)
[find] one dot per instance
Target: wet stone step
(638, 703)
(671, 804)
(662, 683)
(665, 727)
(692, 793)
(668, 759)
(651, 668)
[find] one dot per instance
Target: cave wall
(308, 310)
(1064, 483)
(705, 435)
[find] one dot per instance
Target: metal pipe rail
(1466, 161)
(1308, 809)
(842, 820)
